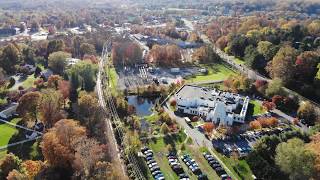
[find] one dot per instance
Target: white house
(213, 105)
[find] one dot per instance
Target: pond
(143, 105)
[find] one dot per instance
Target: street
(198, 138)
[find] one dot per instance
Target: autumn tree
(165, 55)
(255, 125)
(9, 163)
(50, 107)
(205, 54)
(306, 65)
(28, 106)
(268, 105)
(89, 110)
(222, 42)
(126, 53)
(57, 61)
(208, 127)
(314, 146)
(16, 175)
(282, 65)
(58, 144)
(64, 88)
(9, 58)
(53, 81)
(289, 156)
(87, 48)
(88, 152)
(314, 28)
(32, 168)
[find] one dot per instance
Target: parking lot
(140, 75)
(244, 142)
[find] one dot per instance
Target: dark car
(202, 177)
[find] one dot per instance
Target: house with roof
(212, 105)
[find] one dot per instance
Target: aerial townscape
(159, 90)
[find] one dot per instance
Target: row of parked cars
(255, 135)
(152, 164)
(216, 166)
(194, 167)
(176, 166)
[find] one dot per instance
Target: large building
(212, 105)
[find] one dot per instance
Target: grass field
(216, 72)
(7, 131)
(113, 80)
(159, 147)
(257, 107)
(241, 166)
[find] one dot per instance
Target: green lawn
(216, 72)
(113, 80)
(159, 147)
(238, 61)
(234, 165)
(257, 107)
(153, 117)
(27, 83)
(7, 131)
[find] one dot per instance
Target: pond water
(143, 105)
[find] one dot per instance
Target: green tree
(295, 160)
(237, 45)
(253, 58)
(83, 73)
(274, 88)
(55, 46)
(57, 61)
(9, 58)
(28, 55)
(267, 49)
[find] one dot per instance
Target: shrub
(12, 82)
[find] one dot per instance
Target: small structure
(72, 61)
(9, 111)
(46, 74)
(212, 105)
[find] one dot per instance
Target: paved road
(198, 138)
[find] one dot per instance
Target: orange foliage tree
(208, 127)
(58, 143)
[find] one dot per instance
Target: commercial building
(212, 105)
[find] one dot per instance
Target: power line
(112, 112)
